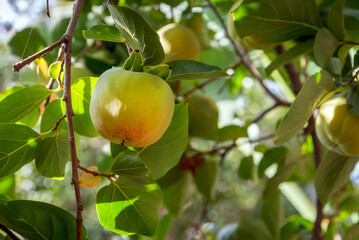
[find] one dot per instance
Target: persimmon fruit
(131, 108)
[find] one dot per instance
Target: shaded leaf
(175, 186)
(166, 152)
(103, 32)
(276, 21)
(332, 174)
(138, 33)
(164, 226)
(273, 155)
(38, 220)
(352, 233)
(128, 206)
(246, 168)
(272, 213)
(207, 178)
(290, 54)
(128, 163)
(252, 228)
(335, 19)
(231, 132)
(294, 227)
(17, 147)
(325, 44)
(203, 116)
(190, 70)
(52, 154)
(116, 149)
(20, 103)
(315, 90)
(51, 115)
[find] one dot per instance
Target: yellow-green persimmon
(131, 108)
(337, 127)
(179, 40)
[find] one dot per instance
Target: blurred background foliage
(239, 184)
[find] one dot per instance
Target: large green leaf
(325, 45)
(51, 115)
(138, 33)
(231, 132)
(20, 103)
(275, 20)
(38, 220)
(52, 154)
(128, 163)
(335, 19)
(166, 152)
(272, 213)
(290, 54)
(203, 116)
(273, 155)
(81, 96)
(18, 44)
(103, 32)
(176, 185)
(17, 147)
(207, 178)
(246, 168)
(252, 228)
(314, 91)
(190, 70)
(129, 206)
(332, 174)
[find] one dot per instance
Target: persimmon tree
(106, 74)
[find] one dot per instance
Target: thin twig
(47, 8)
(58, 123)
(264, 138)
(262, 114)
(84, 51)
(200, 86)
(129, 49)
(9, 232)
(353, 78)
(96, 173)
(69, 113)
(17, 66)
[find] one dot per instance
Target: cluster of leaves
(322, 32)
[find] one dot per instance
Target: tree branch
(262, 114)
(58, 123)
(47, 8)
(9, 232)
(17, 66)
(69, 113)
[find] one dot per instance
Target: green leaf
(103, 32)
(55, 69)
(20, 40)
(17, 147)
(37, 220)
(290, 54)
(203, 116)
(272, 213)
(349, 205)
(116, 149)
(275, 21)
(273, 155)
(332, 174)
(190, 70)
(352, 233)
(294, 227)
(176, 186)
(335, 19)
(31, 119)
(52, 155)
(166, 152)
(235, 84)
(51, 115)
(283, 173)
(4, 199)
(325, 44)
(207, 178)
(138, 33)
(314, 91)
(128, 163)
(252, 228)
(232, 132)
(299, 199)
(7, 186)
(163, 71)
(164, 226)
(20, 103)
(130, 206)
(81, 96)
(246, 168)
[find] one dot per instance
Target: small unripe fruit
(131, 108)
(179, 40)
(337, 127)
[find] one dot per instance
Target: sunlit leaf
(103, 32)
